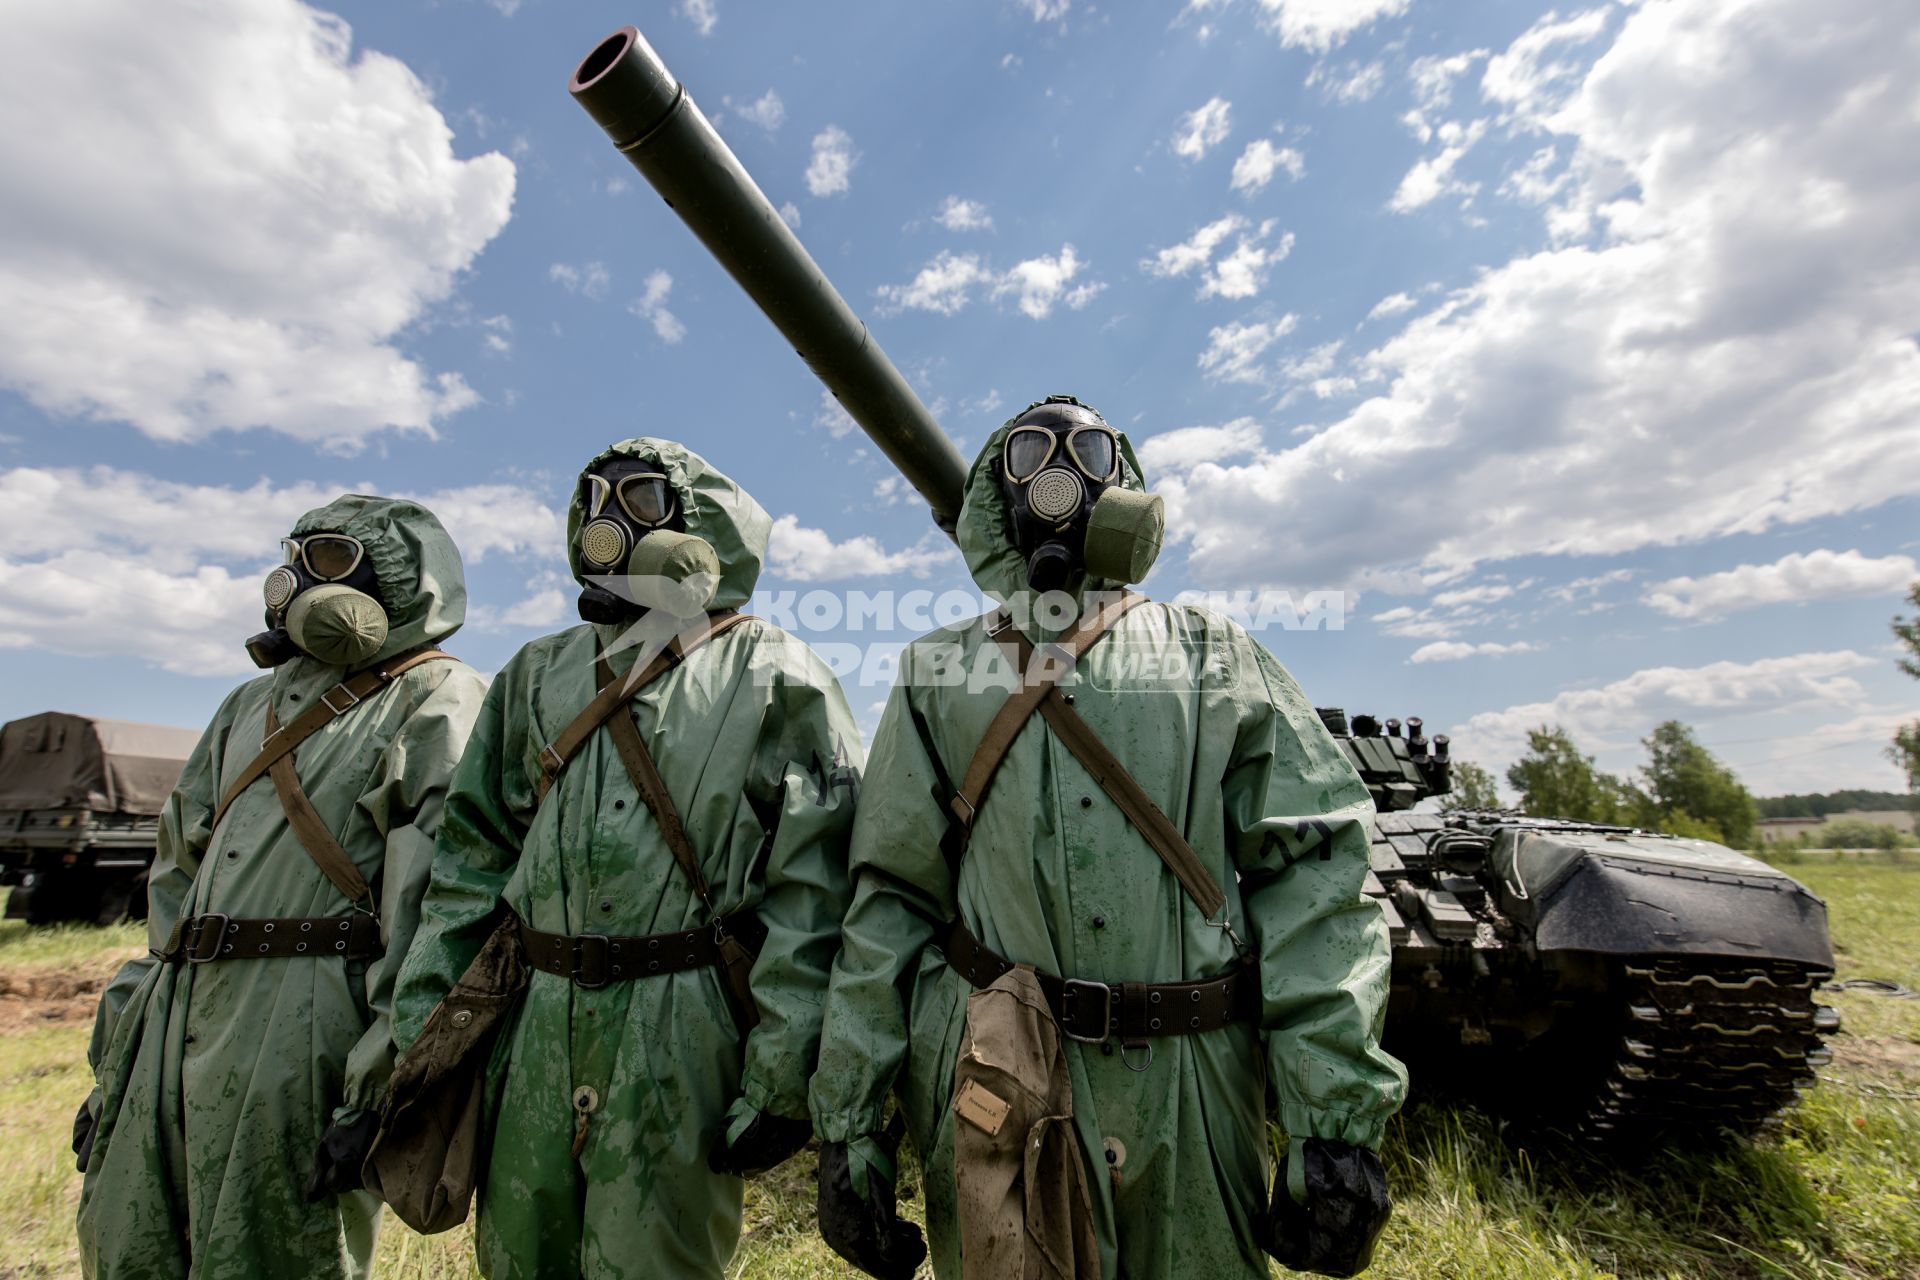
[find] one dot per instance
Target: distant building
(1774, 830)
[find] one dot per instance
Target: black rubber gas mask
(1060, 473)
(634, 548)
(324, 600)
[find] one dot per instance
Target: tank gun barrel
(654, 123)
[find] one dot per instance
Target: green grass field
(1837, 1193)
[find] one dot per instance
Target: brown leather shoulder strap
(1098, 760)
(314, 835)
(617, 693)
(334, 703)
(1023, 701)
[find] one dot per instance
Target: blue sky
(1575, 348)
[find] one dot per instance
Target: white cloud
(1729, 350)
(1195, 251)
(790, 214)
(1187, 447)
(498, 335)
(1799, 577)
(1041, 282)
(833, 418)
(1261, 160)
(943, 286)
(1319, 25)
(1586, 588)
(830, 171)
(1353, 83)
(1046, 10)
(1432, 79)
(1525, 79)
(1240, 273)
(1828, 757)
(1203, 128)
(1392, 305)
(589, 279)
(103, 562)
(703, 14)
(767, 110)
(651, 306)
(1432, 176)
(1234, 350)
(802, 554)
(947, 284)
(549, 601)
(1618, 714)
(1455, 650)
(249, 252)
(1486, 593)
(963, 215)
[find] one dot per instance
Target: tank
(1620, 984)
(80, 802)
(1617, 985)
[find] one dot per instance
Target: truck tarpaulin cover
(60, 761)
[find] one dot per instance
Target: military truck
(80, 801)
(1622, 983)
(1616, 984)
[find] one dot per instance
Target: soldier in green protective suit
(239, 1065)
(627, 1102)
(1169, 1111)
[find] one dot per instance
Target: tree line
(1683, 789)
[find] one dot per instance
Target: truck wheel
(53, 897)
(121, 897)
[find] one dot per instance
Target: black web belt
(593, 960)
(204, 939)
(1130, 1012)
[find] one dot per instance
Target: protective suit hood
(985, 538)
(414, 562)
(715, 509)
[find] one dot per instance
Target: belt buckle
(219, 921)
(1106, 1009)
(353, 699)
(581, 949)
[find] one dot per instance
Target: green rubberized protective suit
(1055, 876)
(216, 1081)
(760, 754)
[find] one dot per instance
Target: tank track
(1708, 1046)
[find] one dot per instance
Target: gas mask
(324, 602)
(635, 550)
(1060, 473)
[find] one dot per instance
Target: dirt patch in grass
(1883, 1057)
(38, 997)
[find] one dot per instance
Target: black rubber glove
(1347, 1207)
(83, 1126)
(343, 1149)
(857, 1217)
(764, 1141)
